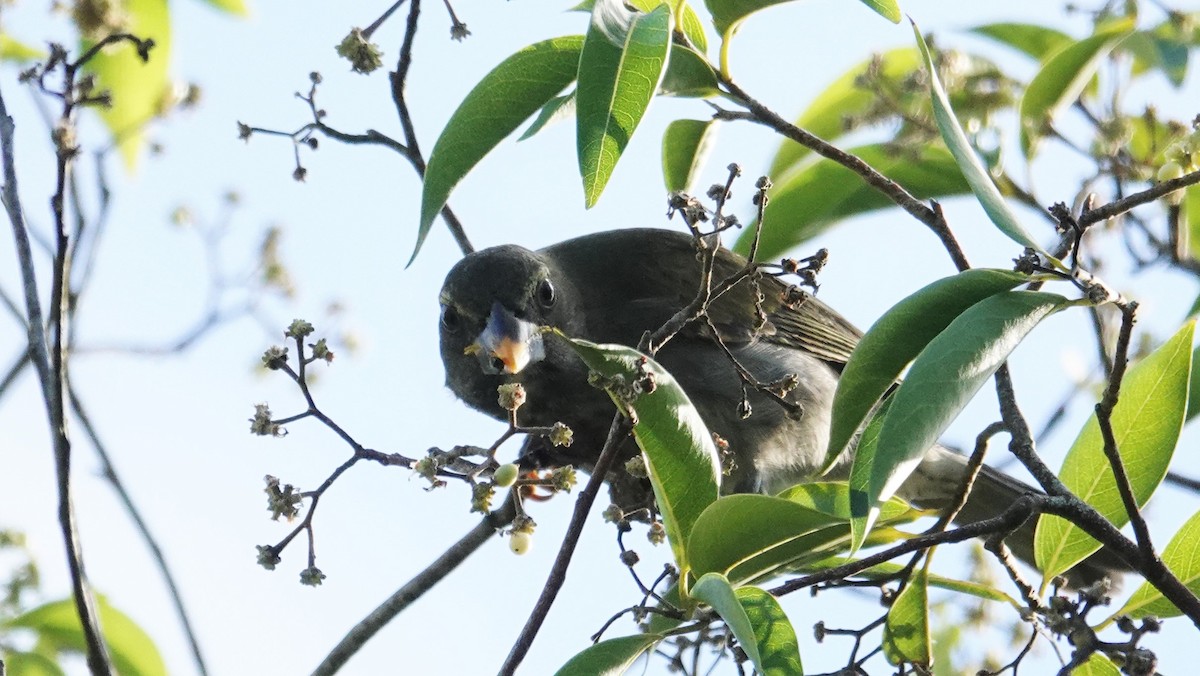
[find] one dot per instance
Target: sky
(177, 425)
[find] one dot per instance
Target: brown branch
(1104, 411)
(931, 217)
(1138, 198)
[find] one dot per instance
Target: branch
(1139, 198)
(415, 588)
(558, 572)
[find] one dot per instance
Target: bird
(613, 287)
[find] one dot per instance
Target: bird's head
(494, 305)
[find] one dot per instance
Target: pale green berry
(520, 543)
(506, 475)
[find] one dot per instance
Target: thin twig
(415, 588)
(1138, 198)
(617, 433)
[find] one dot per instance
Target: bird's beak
(507, 344)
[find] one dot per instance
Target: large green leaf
(1182, 556)
(906, 631)
(756, 620)
(727, 14)
(1035, 41)
(1146, 424)
(506, 97)
(751, 537)
(683, 462)
(943, 378)
(826, 114)
(624, 57)
(556, 110)
(686, 144)
(1062, 79)
(816, 195)
(897, 338)
(138, 87)
(57, 625)
(609, 658)
(968, 161)
(778, 649)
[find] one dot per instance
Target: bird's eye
(450, 319)
(545, 294)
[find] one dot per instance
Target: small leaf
(1035, 41)
(623, 59)
(683, 462)
(1062, 79)
(1097, 665)
(943, 378)
(57, 624)
(237, 7)
(686, 144)
(503, 99)
(138, 87)
(19, 52)
(1182, 556)
(1193, 406)
(897, 338)
(727, 14)
(906, 631)
(715, 590)
(1159, 49)
(30, 664)
(778, 649)
(817, 195)
(688, 75)
(1146, 424)
(556, 110)
(609, 658)
(981, 183)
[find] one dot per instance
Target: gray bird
(614, 286)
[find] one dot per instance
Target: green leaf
(1097, 665)
(727, 14)
(624, 56)
(1193, 406)
(943, 378)
(981, 183)
(1146, 424)
(138, 87)
(757, 621)
(778, 649)
(691, 25)
(683, 463)
(688, 75)
(556, 110)
(30, 664)
(237, 7)
(686, 144)
(1159, 49)
(1062, 79)
(817, 195)
(1035, 41)
(906, 631)
(1182, 556)
(897, 338)
(609, 658)
(503, 99)
(751, 537)
(825, 116)
(57, 624)
(19, 52)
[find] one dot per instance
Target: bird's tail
(935, 483)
